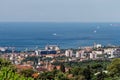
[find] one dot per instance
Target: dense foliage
(87, 70)
(8, 72)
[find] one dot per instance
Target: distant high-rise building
(69, 53)
(93, 56)
(80, 54)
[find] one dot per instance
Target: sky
(59, 11)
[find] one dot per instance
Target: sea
(32, 35)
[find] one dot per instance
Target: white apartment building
(69, 53)
(80, 54)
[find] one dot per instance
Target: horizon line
(50, 22)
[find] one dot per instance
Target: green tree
(27, 73)
(62, 67)
(101, 76)
(76, 71)
(8, 72)
(87, 73)
(61, 76)
(114, 68)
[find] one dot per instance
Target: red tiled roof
(41, 69)
(24, 67)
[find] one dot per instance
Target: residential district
(47, 59)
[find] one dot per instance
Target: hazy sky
(60, 10)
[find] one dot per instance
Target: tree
(61, 76)
(77, 71)
(97, 67)
(62, 67)
(4, 63)
(101, 76)
(87, 73)
(27, 73)
(114, 68)
(8, 72)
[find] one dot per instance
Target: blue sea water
(67, 35)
